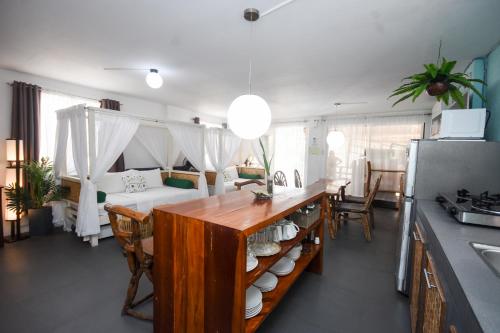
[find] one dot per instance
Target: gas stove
(482, 209)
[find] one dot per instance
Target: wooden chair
(133, 231)
(280, 179)
(298, 182)
(363, 210)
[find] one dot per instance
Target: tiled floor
(58, 284)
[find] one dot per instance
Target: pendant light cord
(250, 60)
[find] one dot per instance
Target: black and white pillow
(134, 183)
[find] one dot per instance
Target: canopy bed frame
(98, 137)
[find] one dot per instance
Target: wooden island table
(200, 246)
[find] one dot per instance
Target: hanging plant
(438, 81)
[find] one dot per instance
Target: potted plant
(34, 200)
(438, 81)
(267, 168)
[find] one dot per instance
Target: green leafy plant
(17, 198)
(438, 81)
(267, 164)
(42, 188)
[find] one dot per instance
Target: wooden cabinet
(417, 259)
(433, 299)
(200, 277)
(427, 299)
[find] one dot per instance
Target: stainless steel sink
(490, 254)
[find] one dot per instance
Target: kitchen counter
(476, 280)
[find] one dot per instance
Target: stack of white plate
(253, 302)
(252, 262)
(283, 267)
(294, 253)
(267, 282)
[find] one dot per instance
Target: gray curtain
(25, 121)
(110, 104)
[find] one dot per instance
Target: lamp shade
(11, 150)
(10, 176)
(249, 116)
(153, 79)
(335, 140)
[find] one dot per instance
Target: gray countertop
(479, 283)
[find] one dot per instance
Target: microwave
(467, 124)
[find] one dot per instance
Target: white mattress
(230, 185)
(145, 201)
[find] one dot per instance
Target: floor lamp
(15, 158)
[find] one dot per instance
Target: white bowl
(253, 297)
(266, 282)
(284, 266)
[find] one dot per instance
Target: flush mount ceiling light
(153, 78)
(249, 115)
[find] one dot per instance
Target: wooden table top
(240, 211)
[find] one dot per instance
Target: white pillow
(134, 183)
(112, 182)
(230, 174)
(152, 177)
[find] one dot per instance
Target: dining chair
(133, 231)
(298, 182)
(280, 178)
(363, 210)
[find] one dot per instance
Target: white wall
(135, 156)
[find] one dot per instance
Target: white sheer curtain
(113, 134)
(61, 144)
(50, 103)
(154, 140)
(221, 145)
(381, 140)
(191, 142)
(289, 151)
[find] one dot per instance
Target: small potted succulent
(35, 198)
(438, 81)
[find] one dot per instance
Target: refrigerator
(435, 166)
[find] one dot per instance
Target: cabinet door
(417, 258)
(434, 302)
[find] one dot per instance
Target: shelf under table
(272, 298)
(266, 262)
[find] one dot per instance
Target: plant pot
(437, 88)
(40, 221)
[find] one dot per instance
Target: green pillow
(101, 196)
(179, 183)
(249, 176)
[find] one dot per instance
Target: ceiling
(306, 56)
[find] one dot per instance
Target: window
(382, 141)
(290, 152)
(50, 103)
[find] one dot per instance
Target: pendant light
(249, 115)
(153, 79)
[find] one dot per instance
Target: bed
(156, 194)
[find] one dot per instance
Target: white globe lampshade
(153, 79)
(335, 139)
(249, 116)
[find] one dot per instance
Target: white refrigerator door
(411, 169)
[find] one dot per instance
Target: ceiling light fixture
(153, 79)
(249, 115)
